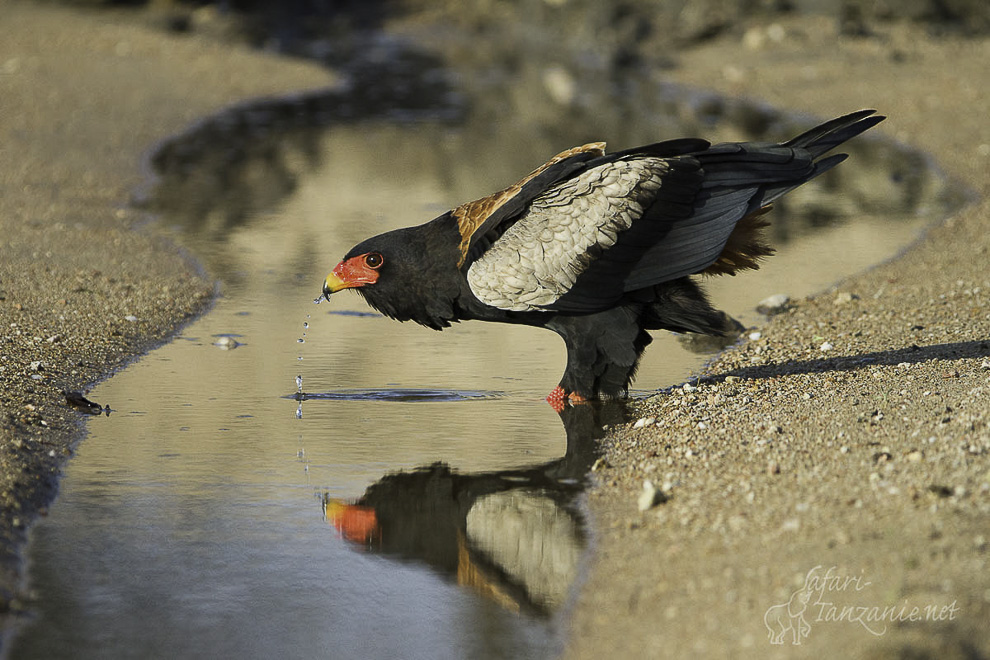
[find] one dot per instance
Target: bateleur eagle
(600, 248)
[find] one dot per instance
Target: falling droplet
(299, 383)
(301, 340)
(318, 300)
(305, 325)
(299, 358)
(299, 411)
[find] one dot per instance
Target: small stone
(775, 304)
(732, 379)
(844, 298)
(882, 457)
(226, 343)
(914, 456)
(131, 318)
(650, 496)
(643, 422)
(826, 346)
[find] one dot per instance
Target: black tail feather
(825, 137)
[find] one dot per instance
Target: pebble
(826, 346)
(226, 343)
(774, 304)
(650, 496)
(643, 422)
(844, 298)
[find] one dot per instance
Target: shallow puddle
(413, 497)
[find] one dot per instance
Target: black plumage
(600, 248)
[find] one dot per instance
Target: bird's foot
(559, 398)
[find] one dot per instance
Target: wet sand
(853, 433)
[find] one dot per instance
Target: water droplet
(299, 411)
(301, 340)
(305, 325)
(299, 358)
(318, 300)
(299, 383)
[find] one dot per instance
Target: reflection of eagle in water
(597, 247)
(514, 536)
(506, 536)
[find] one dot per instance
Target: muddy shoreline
(847, 476)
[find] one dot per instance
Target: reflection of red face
(357, 524)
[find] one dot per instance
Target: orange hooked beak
(348, 274)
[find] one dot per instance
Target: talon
(559, 398)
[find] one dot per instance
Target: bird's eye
(373, 260)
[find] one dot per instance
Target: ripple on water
(401, 394)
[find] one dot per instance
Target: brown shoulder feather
(472, 215)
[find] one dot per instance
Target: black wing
(699, 202)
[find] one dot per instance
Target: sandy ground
(850, 440)
(842, 456)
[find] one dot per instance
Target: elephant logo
(789, 616)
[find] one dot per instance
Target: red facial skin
(349, 274)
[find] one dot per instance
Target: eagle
(600, 248)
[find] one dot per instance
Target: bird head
(352, 272)
(406, 274)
